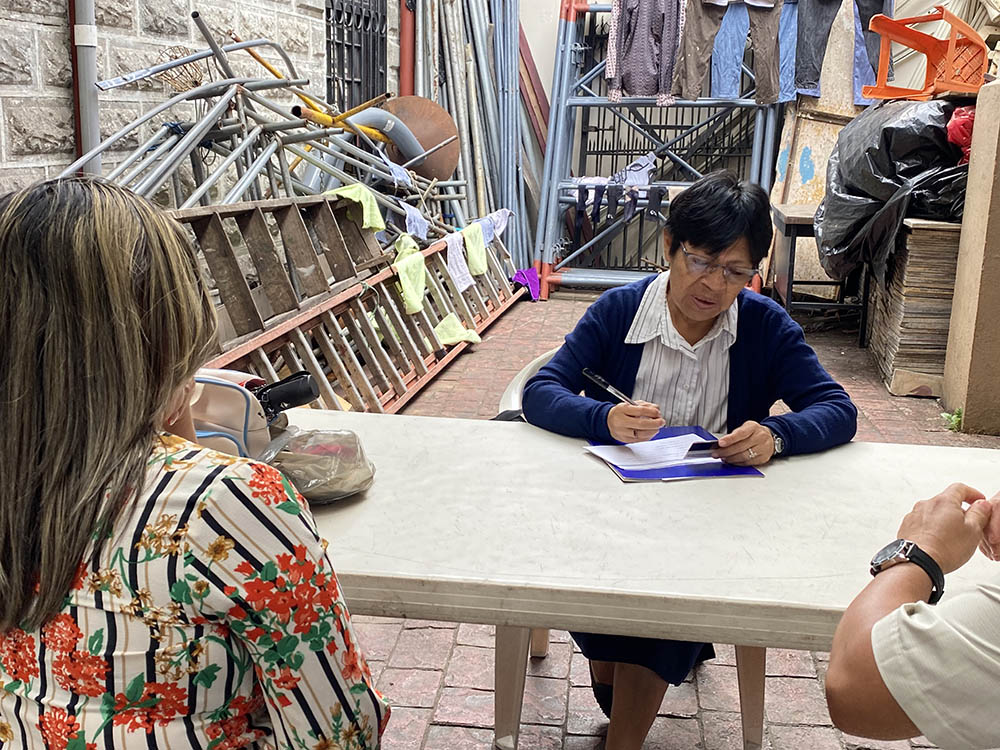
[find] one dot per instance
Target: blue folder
(693, 471)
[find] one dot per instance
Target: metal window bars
(355, 51)
(690, 137)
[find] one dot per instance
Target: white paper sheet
(654, 454)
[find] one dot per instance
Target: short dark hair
(716, 211)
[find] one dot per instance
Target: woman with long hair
(152, 592)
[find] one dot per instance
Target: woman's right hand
(634, 423)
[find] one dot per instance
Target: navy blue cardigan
(769, 360)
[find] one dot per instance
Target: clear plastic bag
(324, 465)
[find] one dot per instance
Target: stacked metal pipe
(243, 145)
(474, 75)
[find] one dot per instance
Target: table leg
(750, 662)
(789, 286)
(539, 643)
(511, 665)
(866, 281)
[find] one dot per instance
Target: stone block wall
(36, 105)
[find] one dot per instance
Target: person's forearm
(860, 702)
(552, 406)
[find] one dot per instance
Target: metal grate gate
(355, 51)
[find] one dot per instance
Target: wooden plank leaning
(349, 328)
(229, 280)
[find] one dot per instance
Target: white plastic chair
(511, 399)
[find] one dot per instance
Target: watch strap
(918, 557)
(910, 552)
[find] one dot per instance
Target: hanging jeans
(727, 57)
(864, 71)
(730, 42)
(702, 23)
(815, 21)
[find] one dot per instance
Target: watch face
(779, 444)
(889, 552)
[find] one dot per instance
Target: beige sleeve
(942, 665)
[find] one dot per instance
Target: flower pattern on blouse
(210, 619)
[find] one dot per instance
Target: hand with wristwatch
(940, 536)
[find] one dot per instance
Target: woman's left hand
(750, 444)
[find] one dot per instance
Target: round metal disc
(431, 124)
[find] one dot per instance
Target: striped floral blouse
(211, 619)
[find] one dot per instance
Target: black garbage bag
(892, 161)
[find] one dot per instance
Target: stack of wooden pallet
(910, 317)
(302, 285)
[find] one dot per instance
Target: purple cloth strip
(529, 277)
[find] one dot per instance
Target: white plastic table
(503, 523)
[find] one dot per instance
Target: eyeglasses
(703, 266)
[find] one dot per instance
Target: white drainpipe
(83, 38)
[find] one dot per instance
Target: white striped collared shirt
(689, 383)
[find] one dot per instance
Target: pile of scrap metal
(246, 145)
(284, 202)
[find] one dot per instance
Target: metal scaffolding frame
(686, 140)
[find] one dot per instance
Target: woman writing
(152, 592)
(692, 346)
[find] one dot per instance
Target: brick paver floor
(439, 676)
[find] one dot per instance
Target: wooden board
(362, 345)
(910, 317)
(533, 93)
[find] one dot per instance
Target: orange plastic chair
(957, 63)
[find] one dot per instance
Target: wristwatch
(903, 550)
(779, 442)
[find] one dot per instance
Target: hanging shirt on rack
(643, 39)
(864, 71)
(730, 42)
(758, 3)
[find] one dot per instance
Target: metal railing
(245, 146)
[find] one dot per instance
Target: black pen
(594, 377)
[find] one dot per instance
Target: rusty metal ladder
(326, 299)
